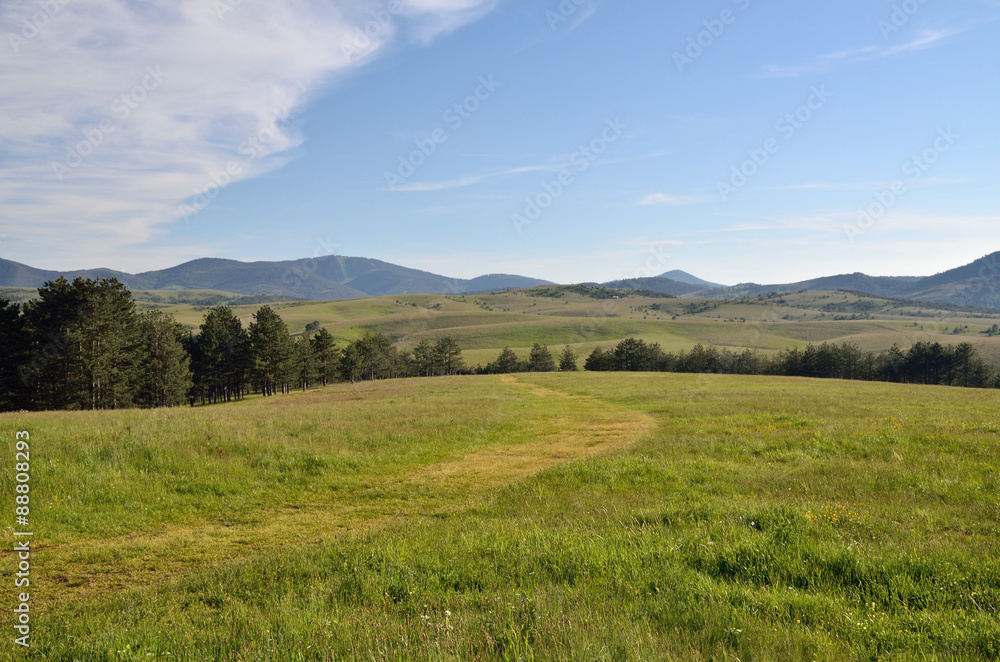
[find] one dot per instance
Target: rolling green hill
(567, 315)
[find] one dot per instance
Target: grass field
(530, 517)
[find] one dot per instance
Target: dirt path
(585, 427)
(580, 427)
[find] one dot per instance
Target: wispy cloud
(556, 163)
(432, 18)
(427, 187)
(823, 222)
(562, 19)
(832, 186)
(894, 225)
(116, 111)
(825, 63)
(462, 182)
(668, 200)
(647, 243)
(582, 16)
(866, 186)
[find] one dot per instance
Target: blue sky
(578, 140)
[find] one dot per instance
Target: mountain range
(976, 284)
(322, 278)
(338, 277)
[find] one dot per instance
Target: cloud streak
(117, 111)
(661, 199)
(828, 62)
(462, 182)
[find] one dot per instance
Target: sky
(570, 140)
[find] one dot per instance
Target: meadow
(529, 517)
(556, 316)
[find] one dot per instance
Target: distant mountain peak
(685, 277)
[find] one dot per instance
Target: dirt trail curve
(585, 427)
(581, 427)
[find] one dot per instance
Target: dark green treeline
(923, 363)
(83, 345)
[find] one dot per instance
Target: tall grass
(760, 519)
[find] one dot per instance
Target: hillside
(974, 284)
(15, 274)
(585, 318)
(878, 286)
(659, 284)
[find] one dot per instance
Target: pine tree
(599, 360)
(405, 365)
(53, 370)
(304, 362)
(107, 333)
(448, 356)
(423, 358)
(506, 363)
(166, 373)
(350, 366)
(540, 359)
(13, 355)
(221, 357)
(326, 354)
(270, 347)
(377, 356)
(567, 360)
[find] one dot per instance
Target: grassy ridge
(545, 517)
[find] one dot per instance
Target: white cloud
(662, 199)
(114, 112)
(426, 187)
(462, 182)
(437, 17)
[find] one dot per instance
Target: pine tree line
(375, 356)
(83, 345)
(230, 362)
(923, 363)
(539, 359)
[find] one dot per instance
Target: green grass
(541, 517)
